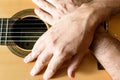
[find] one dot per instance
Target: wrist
(101, 10)
(91, 14)
(106, 7)
(97, 12)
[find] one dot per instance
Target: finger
(53, 66)
(34, 54)
(41, 62)
(74, 65)
(53, 2)
(59, 4)
(46, 6)
(37, 49)
(44, 16)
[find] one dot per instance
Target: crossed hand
(68, 39)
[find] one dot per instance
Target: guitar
(20, 28)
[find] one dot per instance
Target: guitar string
(6, 31)
(19, 32)
(27, 23)
(23, 32)
(18, 19)
(1, 30)
(26, 28)
(21, 36)
(10, 41)
(41, 27)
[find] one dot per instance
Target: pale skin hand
(61, 43)
(51, 19)
(43, 49)
(52, 10)
(101, 42)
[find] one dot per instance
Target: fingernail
(47, 75)
(26, 59)
(32, 72)
(73, 74)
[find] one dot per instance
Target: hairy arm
(107, 50)
(105, 47)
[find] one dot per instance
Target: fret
(1, 22)
(4, 30)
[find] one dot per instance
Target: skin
(107, 50)
(54, 46)
(54, 9)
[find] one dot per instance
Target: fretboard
(4, 30)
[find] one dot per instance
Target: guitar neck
(4, 29)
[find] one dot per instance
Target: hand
(52, 10)
(50, 14)
(69, 39)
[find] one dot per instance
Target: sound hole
(26, 31)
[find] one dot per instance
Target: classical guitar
(19, 30)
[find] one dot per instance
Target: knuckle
(45, 6)
(51, 70)
(52, 40)
(62, 9)
(58, 15)
(65, 51)
(36, 68)
(43, 61)
(35, 50)
(44, 17)
(31, 56)
(53, 43)
(58, 51)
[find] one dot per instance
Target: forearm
(105, 8)
(107, 50)
(113, 5)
